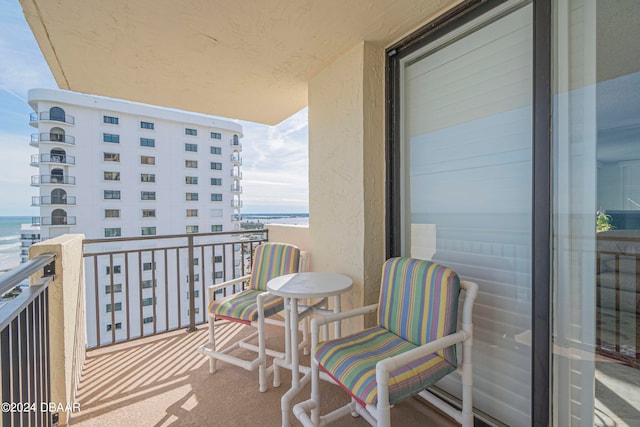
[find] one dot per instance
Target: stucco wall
(346, 171)
(67, 315)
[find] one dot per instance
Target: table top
(309, 285)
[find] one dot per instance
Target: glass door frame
(541, 179)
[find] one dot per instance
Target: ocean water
(10, 240)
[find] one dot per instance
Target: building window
(216, 181)
(117, 307)
(111, 157)
(147, 177)
(146, 266)
(191, 196)
(196, 293)
(118, 326)
(217, 258)
(147, 160)
(116, 269)
(147, 125)
(112, 176)
(191, 147)
(216, 150)
(147, 142)
(196, 310)
(190, 163)
(148, 213)
(110, 137)
(196, 261)
(216, 213)
(147, 195)
(190, 179)
(192, 212)
(110, 119)
(147, 320)
(148, 231)
(147, 301)
(216, 135)
(216, 166)
(192, 132)
(116, 288)
(192, 228)
(112, 232)
(216, 197)
(112, 213)
(148, 284)
(112, 194)
(218, 275)
(216, 228)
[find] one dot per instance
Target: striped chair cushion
(272, 260)
(351, 361)
(243, 307)
(419, 301)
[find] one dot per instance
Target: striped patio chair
(412, 346)
(252, 307)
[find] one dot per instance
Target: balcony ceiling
(242, 59)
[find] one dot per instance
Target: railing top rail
(174, 236)
(14, 277)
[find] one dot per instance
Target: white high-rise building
(110, 168)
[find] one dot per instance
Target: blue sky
(268, 186)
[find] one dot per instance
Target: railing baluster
(185, 247)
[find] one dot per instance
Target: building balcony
(236, 188)
(236, 204)
(53, 138)
(53, 201)
(236, 174)
(38, 159)
(236, 160)
(38, 180)
(46, 116)
(53, 221)
(236, 145)
(236, 218)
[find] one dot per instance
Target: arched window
(58, 155)
(58, 196)
(56, 134)
(58, 217)
(57, 114)
(57, 175)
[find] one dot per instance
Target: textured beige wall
(346, 171)
(67, 327)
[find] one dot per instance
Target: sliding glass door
(466, 188)
(596, 213)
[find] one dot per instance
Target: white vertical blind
(467, 186)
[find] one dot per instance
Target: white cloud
(276, 166)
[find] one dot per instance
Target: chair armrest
(213, 288)
(316, 322)
(395, 362)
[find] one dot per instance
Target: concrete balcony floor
(163, 380)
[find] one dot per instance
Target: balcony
(236, 189)
(236, 204)
(53, 138)
(53, 221)
(38, 180)
(45, 116)
(236, 160)
(53, 201)
(38, 159)
(236, 218)
(236, 174)
(156, 380)
(236, 145)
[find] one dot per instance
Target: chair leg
(315, 392)
(212, 342)
(383, 409)
(262, 352)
